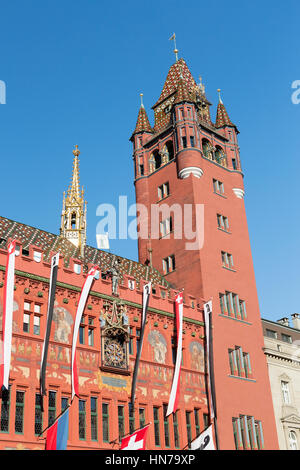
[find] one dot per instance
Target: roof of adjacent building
(49, 243)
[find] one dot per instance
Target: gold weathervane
(173, 38)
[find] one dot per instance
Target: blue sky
(73, 72)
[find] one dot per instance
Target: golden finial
(76, 152)
(142, 104)
(173, 38)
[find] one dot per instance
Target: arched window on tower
(207, 149)
(73, 220)
(157, 159)
(170, 149)
(220, 156)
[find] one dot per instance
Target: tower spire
(73, 217)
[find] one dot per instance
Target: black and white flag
(51, 298)
(146, 296)
(204, 441)
(209, 357)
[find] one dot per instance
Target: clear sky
(74, 71)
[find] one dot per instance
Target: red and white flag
(81, 304)
(174, 396)
(7, 318)
(136, 440)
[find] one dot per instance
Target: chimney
(296, 320)
(283, 321)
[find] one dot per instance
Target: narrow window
(82, 419)
(36, 324)
(19, 417)
(285, 393)
(131, 418)
(5, 408)
(188, 427)
(197, 421)
(142, 418)
(105, 422)
(166, 427)
(94, 419)
(51, 407)
(156, 425)
(175, 429)
(38, 415)
(121, 423)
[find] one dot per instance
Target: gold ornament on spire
(173, 38)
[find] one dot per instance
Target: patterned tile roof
(177, 71)
(49, 242)
(222, 118)
(142, 123)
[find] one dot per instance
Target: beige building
(282, 349)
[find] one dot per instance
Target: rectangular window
(82, 419)
(227, 260)
(218, 187)
(239, 362)
(166, 427)
(5, 408)
(156, 425)
(38, 415)
(175, 429)
(138, 339)
(188, 427)
(131, 418)
(81, 334)
(36, 324)
(51, 407)
(285, 393)
(166, 227)
(234, 164)
(163, 190)
(247, 433)
(286, 338)
(183, 141)
(19, 417)
(91, 336)
(271, 334)
(121, 422)
(64, 403)
(142, 417)
(26, 322)
(105, 422)
(205, 420)
(197, 421)
(94, 419)
(192, 140)
(169, 264)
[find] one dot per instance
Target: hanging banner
(146, 296)
(7, 318)
(51, 298)
(209, 356)
(174, 396)
(81, 304)
(204, 441)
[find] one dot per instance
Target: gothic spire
(142, 123)
(222, 118)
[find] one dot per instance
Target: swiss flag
(136, 441)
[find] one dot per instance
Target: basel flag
(174, 396)
(204, 441)
(136, 440)
(7, 319)
(57, 434)
(82, 301)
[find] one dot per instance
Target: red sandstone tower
(188, 170)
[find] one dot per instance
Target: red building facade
(186, 162)
(102, 413)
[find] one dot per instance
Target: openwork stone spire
(73, 217)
